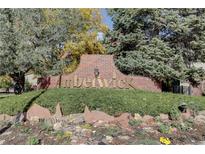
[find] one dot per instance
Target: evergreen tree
(30, 39)
(158, 43)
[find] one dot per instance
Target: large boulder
(6, 117)
(164, 117)
(58, 112)
(187, 115)
(57, 126)
(94, 116)
(202, 112)
(20, 117)
(36, 112)
(123, 120)
(148, 120)
(199, 120)
(76, 118)
(137, 116)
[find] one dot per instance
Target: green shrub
(113, 131)
(194, 107)
(135, 123)
(5, 82)
(164, 128)
(86, 126)
(147, 142)
(26, 130)
(111, 101)
(33, 141)
(28, 86)
(45, 126)
(174, 113)
(183, 126)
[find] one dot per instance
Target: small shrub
(135, 123)
(86, 126)
(67, 134)
(183, 126)
(107, 131)
(5, 82)
(33, 141)
(112, 131)
(17, 125)
(45, 126)
(26, 130)
(148, 142)
(28, 86)
(174, 113)
(157, 119)
(195, 107)
(165, 129)
(140, 133)
(59, 134)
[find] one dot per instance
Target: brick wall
(109, 76)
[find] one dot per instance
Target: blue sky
(106, 18)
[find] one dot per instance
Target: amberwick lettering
(78, 82)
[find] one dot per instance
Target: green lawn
(112, 101)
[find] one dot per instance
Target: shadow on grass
(5, 95)
(17, 119)
(28, 105)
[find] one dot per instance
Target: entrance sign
(99, 71)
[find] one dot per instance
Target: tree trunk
(19, 79)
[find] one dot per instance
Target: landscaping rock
(202, 112)
(137, 117)
(20, 117)
(94, 116)
(186, 115)
(164, 117)
(6, 117)
(123, 120)
(101, 143)
(58, 112)
(109, 139)
(37, 111)
(2, 142)
(57, 126)
(99, 123)
(78, 129)
(199, 120)
(34, 119)
(86, 133)
(150, 130)
(149, 120)
(202, 143)
(54, 119)
(123, 137)
(74, 139)
(76, 118)
(7, 133)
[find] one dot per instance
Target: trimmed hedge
(112, 101)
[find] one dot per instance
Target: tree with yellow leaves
(84, 37)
